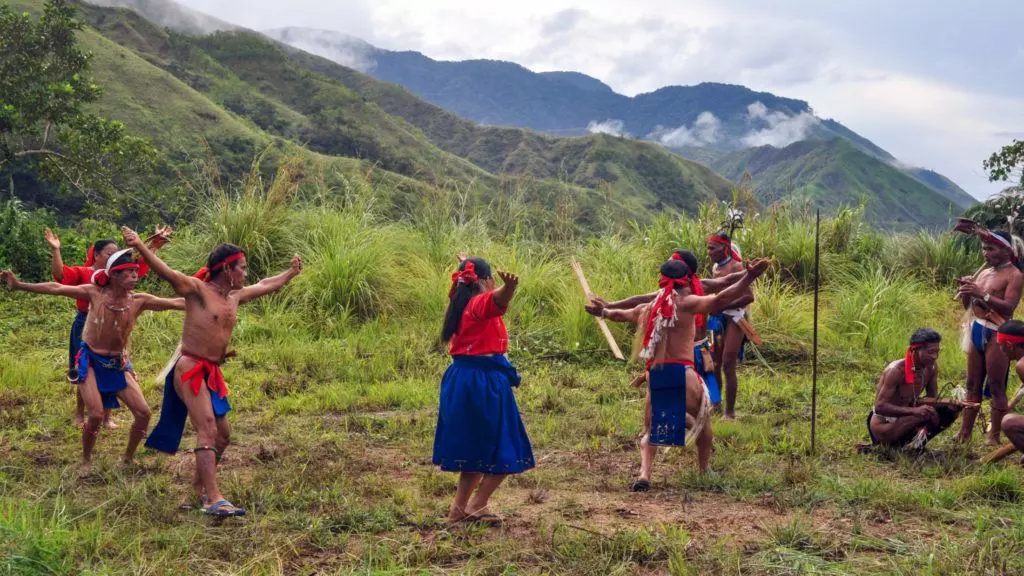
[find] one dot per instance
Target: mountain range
(234, 92)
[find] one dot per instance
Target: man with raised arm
(679, 400)
(195, 388)
(900, 416)
(104, 371)
(991, 298)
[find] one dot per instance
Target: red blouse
(482, 330)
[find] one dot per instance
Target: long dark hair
(462, 293)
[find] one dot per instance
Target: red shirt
(78, 275)
(482, 330)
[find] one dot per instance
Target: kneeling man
(901, 417)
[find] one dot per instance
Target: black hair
(925, 336)
(461, 296)
(724, 236)
(219, 254)
(690, 259)
(675, 269)
(99, 245)
(1012, 327)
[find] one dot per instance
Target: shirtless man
(897, 419)
(702, 348)
(677, 396)
(729, 337)
(1011, 339)
(195, 388)
(991, 298)
(105, 373)
(96, 259)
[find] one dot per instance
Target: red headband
(1004, 338)
(728, 244)
(205, 273)
(102, 277)
(908, 363)
(465, 276)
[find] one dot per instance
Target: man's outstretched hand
(52, 239)
(510, 280)
(131, 238)
(755, 268)
(9, 279)
(595, 306)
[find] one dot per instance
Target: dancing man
(96, 259)
(900, 416)
(990, 297)
(729, 338)
(195, 387)
(104, 371)
(678, 399)
(479, 431)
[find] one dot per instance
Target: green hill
(231, 94)
(836, 172)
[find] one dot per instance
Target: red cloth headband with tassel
(204, 273)
(467, 275)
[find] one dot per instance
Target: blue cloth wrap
(75, 339)
(109, 374)
(668, 404)
(981, 335)
(166, 435)
(715, 395)
(478, 424)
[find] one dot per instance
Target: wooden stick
(952, 402)
(998, 454)
(814, 356)
(639, 380)
(600, 321)
(748, 330)
(1016, 398)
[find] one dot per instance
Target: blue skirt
(75, 340)
(166, 435)
(668, 404)
(109, 372)
(707, 375)
(719, 323)
(478, 424)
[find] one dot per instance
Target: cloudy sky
(938, 83)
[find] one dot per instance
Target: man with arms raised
(104, 371)
(729, 337)
(196, 385)
(991, 298)
(900, 416)
(679, 400)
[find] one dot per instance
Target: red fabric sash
(205, 370)
(908, 363)
(1009, 338)
(465, 276)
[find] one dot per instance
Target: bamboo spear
(614, 346)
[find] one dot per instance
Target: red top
(482, 331)
(78, 275)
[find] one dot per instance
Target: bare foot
(993, 441)
(729, 416)
(84, 468)
(456, 515)
(79, 420)
(109, 423)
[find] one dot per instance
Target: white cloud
(343, 49)
(779, 129)
(705, 130)
(610, 126)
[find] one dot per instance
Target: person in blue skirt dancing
(479, 433)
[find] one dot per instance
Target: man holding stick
(990, 297)
(679, 404)
(900, 416)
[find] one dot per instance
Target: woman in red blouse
(479, 431)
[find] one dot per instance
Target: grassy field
(335, 391)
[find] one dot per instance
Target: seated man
(1010, 337)
(900, 416)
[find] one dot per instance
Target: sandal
(640, 486)
(224, 509)
(487, 519)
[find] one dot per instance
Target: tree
(1007, 165)
(44, 117)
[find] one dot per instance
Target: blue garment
(981, 335)
(478, 424)
(109, 372)
(717, 324)
(166, 435)
(668, 404)
(75, 340)
(708, 376)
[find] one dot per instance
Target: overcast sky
(938, 83)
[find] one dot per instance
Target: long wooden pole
(600, 321)
(814, 356)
